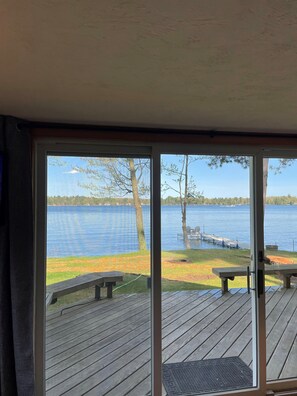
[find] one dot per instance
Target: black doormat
(206, 376)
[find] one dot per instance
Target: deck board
(285, 340)
(94, 328)
(204, 342)
(103, 348)
(169, 318)
(289, 369)
(200, 331)
(84, 346)
(88, 354)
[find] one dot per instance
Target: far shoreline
(166, 204)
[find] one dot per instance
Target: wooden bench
(48, 298)
(229, 273)
(97, 279)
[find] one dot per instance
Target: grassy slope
(192, 274)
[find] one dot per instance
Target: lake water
(105, 230)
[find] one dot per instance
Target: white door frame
(272, 152)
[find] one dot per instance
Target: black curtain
(16, 261)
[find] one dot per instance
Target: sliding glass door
(97, 274)
(209, 316)
(280, 231)
(97, 271)
(150, 270)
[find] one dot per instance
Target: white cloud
(73, 171)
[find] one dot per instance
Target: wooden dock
(194, 234)
(220, 241)
(103, 348)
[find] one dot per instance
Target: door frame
(289, 153)
(256, 211)
(44, 147)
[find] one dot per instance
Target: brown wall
(185, 137)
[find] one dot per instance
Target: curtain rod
(149, 130)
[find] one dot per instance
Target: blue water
(105, 230)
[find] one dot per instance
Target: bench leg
(97, 292)
(224, 283)
(287, 281)
(109, 286)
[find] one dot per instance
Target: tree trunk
(265, 179)
(137, 206)
(184, 205)
(184, 228)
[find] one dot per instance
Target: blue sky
(228, 181)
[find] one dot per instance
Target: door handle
(248, 274)
(260, 282)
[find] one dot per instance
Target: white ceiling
(219, 64)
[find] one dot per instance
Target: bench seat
(48, 298)
(229, 273)
(97, 279)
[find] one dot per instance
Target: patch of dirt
(197, 277)
(279, 260)
(180, 261)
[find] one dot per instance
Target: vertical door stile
(40, 174)
(156, 275)
(253, 253)
(257, 236)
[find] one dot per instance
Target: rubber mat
(206, 376)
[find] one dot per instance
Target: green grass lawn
(181, 270)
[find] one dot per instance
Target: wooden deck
(103, 348)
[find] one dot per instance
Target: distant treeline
(80, 200)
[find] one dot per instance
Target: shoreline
(176, 205)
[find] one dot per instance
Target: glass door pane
(280, 225)
(98, 337)
(208, 316)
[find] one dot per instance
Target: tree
(119, 177)
(219, 161)
(184, 185)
